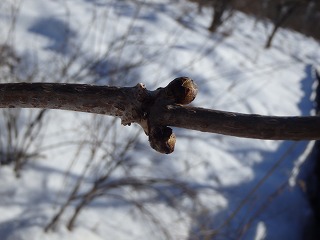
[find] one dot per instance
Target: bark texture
(112, 101)
(241, 125)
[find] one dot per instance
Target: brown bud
(183, 90)
(162, 139)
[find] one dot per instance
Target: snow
(251, 184)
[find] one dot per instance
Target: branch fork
(156, 110)
(180, 91)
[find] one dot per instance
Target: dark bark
(156, 110)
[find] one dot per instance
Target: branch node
(181, 90)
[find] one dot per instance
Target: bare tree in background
(220, 7)
(17, 134)
(284, 10)
(221, 10)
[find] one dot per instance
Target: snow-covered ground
(236, 188)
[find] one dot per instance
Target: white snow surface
(169, 39)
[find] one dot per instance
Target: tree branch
(156, 110)
(121, 102)
(241, 125)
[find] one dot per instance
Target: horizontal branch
(241, 125)
(156, 110)
(113, 101)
